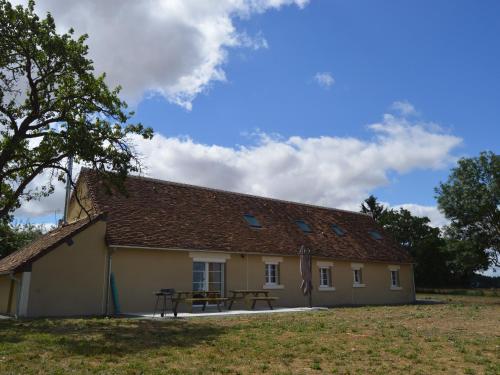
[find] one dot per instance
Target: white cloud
(333, 171)
(172, 47)
(51, 206)
(404, 108)
(432, 212)
(328, 170)
(324, 79)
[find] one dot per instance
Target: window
(375, 235)
(357, 275)
(395, 279)
(252, 221)
(325, 277)
(338, 230)
(272, 273)
(303, 226)
(394, 273)
(208, 276)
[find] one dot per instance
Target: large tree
(53, 106)
(470, 199)
(424, 243)
(372, 207)
(13, 237)
(421, 240)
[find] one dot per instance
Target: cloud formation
(404, 108)
(172, 47)
(324, 79)
(432, 212)
(328, 170)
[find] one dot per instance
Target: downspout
(246, 267)
(413, 282)
(13, 281)
(108, 281)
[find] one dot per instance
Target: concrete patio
(214, 313)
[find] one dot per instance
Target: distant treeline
(453, 255)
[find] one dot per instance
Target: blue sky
(443, 57)
(227, 88)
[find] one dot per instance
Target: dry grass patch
(459, 336)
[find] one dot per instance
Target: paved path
(227, 313)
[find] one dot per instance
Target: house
(163, 234)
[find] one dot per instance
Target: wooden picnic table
(204, 297)
(253, 295)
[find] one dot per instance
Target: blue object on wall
(114, 294)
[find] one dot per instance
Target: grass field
(459, 336)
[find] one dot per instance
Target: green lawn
(460, 336)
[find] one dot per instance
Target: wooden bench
(203, 300)
(267, 299)
(244, 295)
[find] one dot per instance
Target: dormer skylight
(375, 235)
(303, 226)
(338, 230)
(252, 221)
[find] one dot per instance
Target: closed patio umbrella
(306, 272)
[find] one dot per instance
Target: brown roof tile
(161, 214)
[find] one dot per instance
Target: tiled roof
(22, 257)
(162, 214)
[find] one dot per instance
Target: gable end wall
(70, 280)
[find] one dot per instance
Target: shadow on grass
(90, 337)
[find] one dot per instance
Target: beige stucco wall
(70, 280)
(139, 273)
(75, 211)
(5, 281)
(376, 277)
(377, 281)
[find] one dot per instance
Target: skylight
(252, 221)
(303, 226)
(338, 230)
(375, 235)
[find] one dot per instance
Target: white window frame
(396, 269)
(328, 266)
(357, 268)
(211, 257)
(272, 261)
(206, 282)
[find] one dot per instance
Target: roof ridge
(183, 184)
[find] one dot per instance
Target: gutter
(116, 247)
(108, 281)
(413, 282)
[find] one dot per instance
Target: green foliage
(14, 237)
(371, 206)
(421, 240)
(53, 106)
(470, 199)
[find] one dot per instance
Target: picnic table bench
(206, 297)
(202, 297)
(252, 295)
